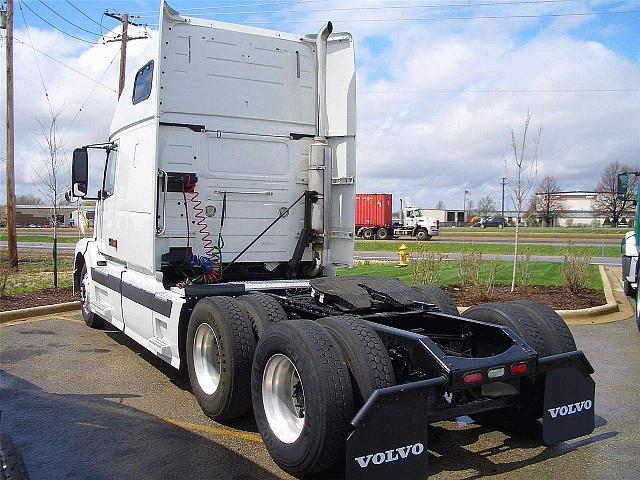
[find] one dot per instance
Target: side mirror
(80, 172)
(622, 185)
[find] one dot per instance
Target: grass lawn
(541, 273)
(551, 233)
(526, 230)
(495, 248)
(35, 272)
(43, 238)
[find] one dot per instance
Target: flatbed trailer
(226, 205)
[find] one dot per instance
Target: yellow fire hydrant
(403, 251)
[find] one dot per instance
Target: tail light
(473, 377)
(519, 368)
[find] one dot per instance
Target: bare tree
(28, 200)
(605, 202)
(469, 207)
(52, 175)
(440, 205)
(521, 171)
(486, 206)
(548, 203)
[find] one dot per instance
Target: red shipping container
(374, 209)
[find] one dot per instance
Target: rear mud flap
(390, 434)
(569, 397)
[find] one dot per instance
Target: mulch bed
(49, 296)
(556, 297)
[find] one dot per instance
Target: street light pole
(504, 179)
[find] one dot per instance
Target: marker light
(474, 377)
(519, 368)
(496, 372)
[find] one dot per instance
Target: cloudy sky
(439, 83)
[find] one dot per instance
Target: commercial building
(41, 215)
(576, 210)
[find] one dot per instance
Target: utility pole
(12, 244)
(504, 180)
(124, 38)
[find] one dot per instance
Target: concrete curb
(25, 313)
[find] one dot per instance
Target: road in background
(41, 246)
(83, 403)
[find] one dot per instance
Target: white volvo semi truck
(226, 205)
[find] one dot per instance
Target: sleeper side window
(142, 83)
(110, 174)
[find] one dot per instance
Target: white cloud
(433, 146)
(423, 146)
(67, 90)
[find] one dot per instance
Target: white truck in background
(226, 205)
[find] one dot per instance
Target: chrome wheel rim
(206, 358)
(84, 293)
(283, 398)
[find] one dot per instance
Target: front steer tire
(422, 235)
(91, 319)
(220, 347)
(319, 441)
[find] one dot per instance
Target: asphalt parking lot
(82, 403)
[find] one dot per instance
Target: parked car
(499, 222)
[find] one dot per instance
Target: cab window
(142, 83)
(110, 174)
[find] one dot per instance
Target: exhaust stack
(319, 147)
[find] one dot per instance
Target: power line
(280, 3)
(436, 19)
(69, 21)
(35, 57)
(556, 90)
(65, 65)
(98, 82)
(89, 17)
(59, 29)
(385, 7)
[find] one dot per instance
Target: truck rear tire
(562, 337)
(262, 310)
(302, 397)
(542, 329)
(91, 319)
(220, 348)
(436, 296)
(364, 353)
(367, 234)
(422, 235)
(11, 464)
(382, 234)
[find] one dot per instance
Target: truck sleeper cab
(226, 205)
